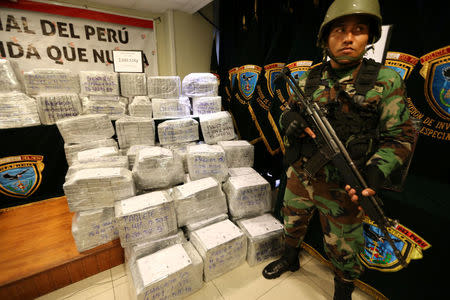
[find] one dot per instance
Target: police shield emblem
(247, 79)
(378, 253)
(20, 176)
(271, 72)
(437, 81)
(297, 69)
(402, 63)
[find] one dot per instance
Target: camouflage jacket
(387, 100)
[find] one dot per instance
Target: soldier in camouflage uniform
(376, 129)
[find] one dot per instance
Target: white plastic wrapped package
(9, 81)
(99, 83)
(198, 200)
(132, 152)
(178, 131)
(264, 238)
(85, 128)
(247, 195)
(92, 228)
(72, 150)
(200, 85)
(223, 247)
(238, 153)
(157, 167)
(203, 223)
(93, 154)
(113, 108)
(164, 86)
(207, 161)
(133, 84)
(174, 272)
(241, 171)
(141, 249)
(98, 162)
(18, 110)
(171, 107)
(54, 107)
(135, 131)
(141, 107)
(145, 217)
(98, 188)
(206, 105)
(181, 149)
(217, 127)
(40, 81)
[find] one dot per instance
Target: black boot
(343, 289)
(288, 262)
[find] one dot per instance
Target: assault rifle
(332, 149)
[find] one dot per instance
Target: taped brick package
(98, 162)
(17, 110)
(133, 84)
(181, 149)
(85, 128)
(141, 249)
(200, 85)
(171, 108)
(164, 86)
(9, 77)
(98, 188)
(71, 150)
(145, 217)
(113, 106)
(174, 272)
(241, 171)
(99, 83)
(247, 195)
(223, 247)
(54, 107)
(157, 167)
(141, 106)
(132, 152)
(264, 238)
(206, 105)
(207, 161)
(238, 153)
(217, 127)
(40, 81)
(203, 223)
(93, 154)
(178, 131)
(135, 131)
(93, 228)
(198, 200)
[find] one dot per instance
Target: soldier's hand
(354, 197)
(298, 129)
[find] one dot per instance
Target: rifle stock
(338, 155)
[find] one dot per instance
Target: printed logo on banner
(297, 69)
(20, 176)
(247, 79)
(402, 63)
(271, 72)
(378, 253)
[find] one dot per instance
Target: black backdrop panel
(38, 140)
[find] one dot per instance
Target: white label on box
(218, 234)
(162, 263)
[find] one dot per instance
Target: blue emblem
(399, 70)
(438, 87)
(296, 74)
(247, 82)
(20, 176)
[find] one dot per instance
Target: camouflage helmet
(341, 8)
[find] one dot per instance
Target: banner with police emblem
(20, 176)
(400, 62)
(297, 69)
(436, 71)
(378, 253)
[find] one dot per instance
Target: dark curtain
(285, 31)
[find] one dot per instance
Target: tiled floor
(312, 281)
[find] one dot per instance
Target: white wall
(192, 37)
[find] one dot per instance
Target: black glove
(294, 124)
(374, 177)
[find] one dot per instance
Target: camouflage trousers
(340, 219)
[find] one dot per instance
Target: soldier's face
(348, 38)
